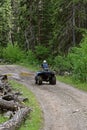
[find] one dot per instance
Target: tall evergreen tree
(5, 23)
(56, 24)
(69, 18)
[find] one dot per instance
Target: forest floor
(64, 107)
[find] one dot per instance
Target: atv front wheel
(39, 80)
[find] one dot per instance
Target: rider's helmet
(44, 61)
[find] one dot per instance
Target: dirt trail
(64, 107)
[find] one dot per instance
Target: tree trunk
(74, 39)
(16, 98)
(9, 105)
(16, 121)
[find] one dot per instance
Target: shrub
(31, 59)
(75, 62)
(13, 53)
(78, 59)
(41, 52)
(61, 64)
(1, 52)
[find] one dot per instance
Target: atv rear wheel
(53, 80)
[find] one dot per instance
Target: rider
(45, 65)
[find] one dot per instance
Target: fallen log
(17, 119)
(11, 102)
(8, 97)
(8, 114)
(16, 98)
(5, 87)
(10, 105)
(3, 77)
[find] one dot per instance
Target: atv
(45, 75)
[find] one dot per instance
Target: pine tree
(69, 20)
(5, 23)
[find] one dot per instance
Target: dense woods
(37, 27)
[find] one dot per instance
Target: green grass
(74, 83)
(2, 119)
(30, 66)
(34, 120)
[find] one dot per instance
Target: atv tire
(53, 80)
(39, 80)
